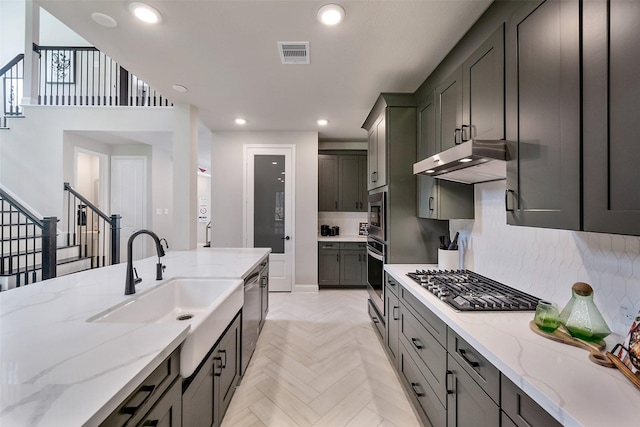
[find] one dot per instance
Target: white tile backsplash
(349, 222)
(546, 262)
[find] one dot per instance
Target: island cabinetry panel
(518, 409)
(138, 404)
(611, 108)
(167, 412)
(543, 115)
(342, 181)
(207, 393)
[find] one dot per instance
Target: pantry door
(268, 209)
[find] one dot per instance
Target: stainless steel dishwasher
(251, 312)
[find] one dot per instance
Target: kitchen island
(559, 378)
(58, 369)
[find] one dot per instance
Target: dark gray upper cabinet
(377, 154)
(611, 109)
(342, 182)
(352, 188)
(543, 115)
(449, 111)
(327, 183)
(483, 90)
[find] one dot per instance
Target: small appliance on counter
(324, 230)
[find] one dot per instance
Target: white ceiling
(225, 53)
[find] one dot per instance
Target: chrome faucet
(130, 285)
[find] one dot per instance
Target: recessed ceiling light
(323, 122)
(104, 20)
(179, 88)
(331, 14)
(145, 13)
(240, 121)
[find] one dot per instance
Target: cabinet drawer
(329, 245)
(430, 356)
(143, 398)
(523, 410)
(484, 373)
(430, 407)
(353, 246)
(431, 322)
(377, 319)
(392, 284)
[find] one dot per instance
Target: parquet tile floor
(319, 363)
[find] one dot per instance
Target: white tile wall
(349, 222)
(546, 262)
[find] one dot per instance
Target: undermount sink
(206, 305)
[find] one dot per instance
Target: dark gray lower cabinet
(342, 264)
(153, 399)
(392, 308)
(208, 392)
(167, 412)
(520, 410)
(449, 382)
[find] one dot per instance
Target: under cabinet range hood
(470, 162)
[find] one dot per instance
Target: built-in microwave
(377, 209)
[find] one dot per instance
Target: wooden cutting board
(561, 335)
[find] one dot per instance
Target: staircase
(29, 250)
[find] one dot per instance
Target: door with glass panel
(269, 209)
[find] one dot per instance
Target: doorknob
(286, 238)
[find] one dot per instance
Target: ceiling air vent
(294, 52)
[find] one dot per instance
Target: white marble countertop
(559, 377)
(342, 238)
(59, 370)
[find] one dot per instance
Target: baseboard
(305, 288)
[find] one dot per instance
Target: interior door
(268, 190)
(129, 199)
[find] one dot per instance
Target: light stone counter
(559, 377)
(343, 238)
(59, 370)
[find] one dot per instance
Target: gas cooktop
(465, 290)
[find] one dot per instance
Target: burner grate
(465, 290)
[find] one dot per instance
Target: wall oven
(375, 272)
(377, 210)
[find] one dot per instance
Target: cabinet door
(467, 403)
(392, 308)
(543, 115)
(427, 146)
(611, 108)
(378, 154)
(327, 182)
(197, 400)
(521, 409)
(167, 412)
(448, 96)
(362, 183)
(227, 355)
(349, 191)
(329, 266)
(351, 267)
(372, 156)
(483, 90)
(264, 298)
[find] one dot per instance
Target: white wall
(34, 147)
(227, 188)
(548, 262)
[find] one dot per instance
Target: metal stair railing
(28, 243)
(96, 233)
(12, 77)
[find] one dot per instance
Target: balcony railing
(86, 76)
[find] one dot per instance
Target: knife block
(448, 260)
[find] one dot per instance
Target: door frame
(104, 191)
(247, 204)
